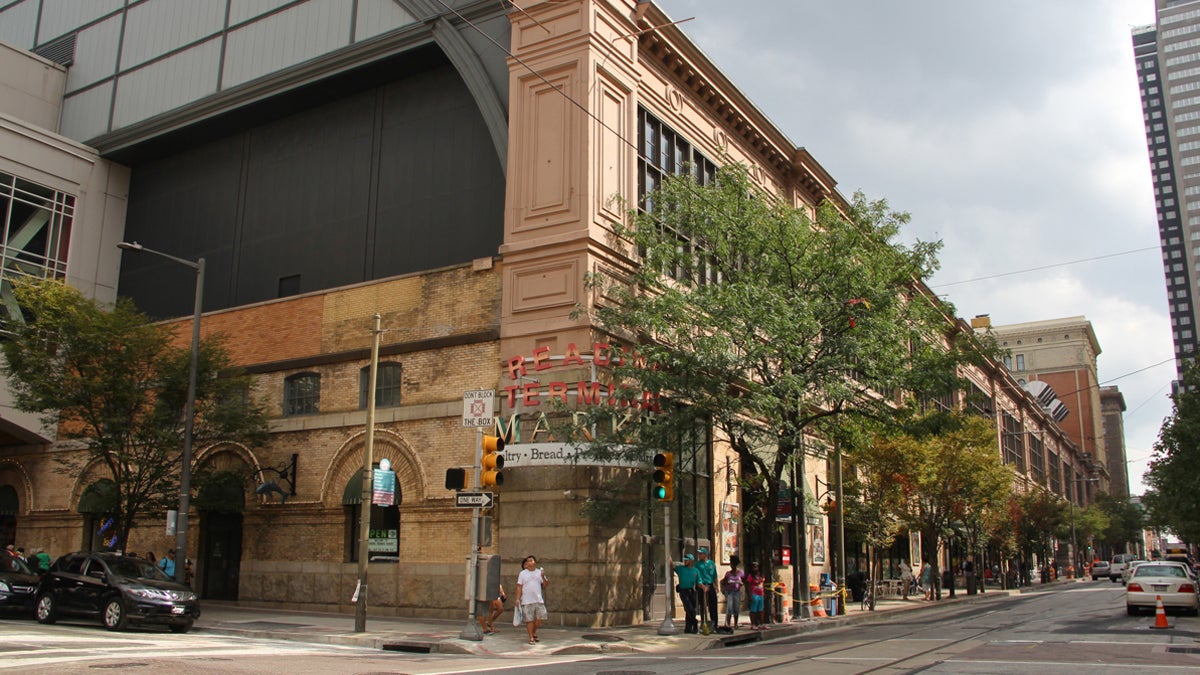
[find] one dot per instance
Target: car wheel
(181, 627)
(1131, 610)
(47, 609)
(115, 617)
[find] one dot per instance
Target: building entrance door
(221, 556)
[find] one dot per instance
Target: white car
(1167, 580)
(1129, 570)
(1119, 564)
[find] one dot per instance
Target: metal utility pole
(667, 627)
(364, 525)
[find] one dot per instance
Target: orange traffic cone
(1160, 614)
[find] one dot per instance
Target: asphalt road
(1072, 629)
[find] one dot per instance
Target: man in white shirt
(530, 600)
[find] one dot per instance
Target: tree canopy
(1173, 479)
(758, 320)
(113, 381)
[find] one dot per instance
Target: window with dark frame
(1037, 459)
(302, 394)
(1012, 439)
(387, 385)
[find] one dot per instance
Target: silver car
(1169, 581)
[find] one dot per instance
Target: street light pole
(189, 410)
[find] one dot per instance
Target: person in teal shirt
(706, 590)
(686, 573)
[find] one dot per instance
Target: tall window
(302, 394)
(1037, 459)
(666, 153)
(1055, 474)
(1012, 439)
(387, 386)
(36, 223)
(384, 531)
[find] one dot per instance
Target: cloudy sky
(1011, 131)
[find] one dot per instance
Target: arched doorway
(221, 501)
(384, 544)
(10, 506)
(99, 504)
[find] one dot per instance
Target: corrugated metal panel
(155, 28)
(285, 39)
(17, 24)
(376, 17)
(85, 115)
(95, 55)
(242, 10)
(61, 51)
(60, 17)
(167, 84)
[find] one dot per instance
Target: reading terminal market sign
(522, 395)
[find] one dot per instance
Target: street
(1057, 631)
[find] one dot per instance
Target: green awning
(9, 504)
(353, 493)
(100, 497)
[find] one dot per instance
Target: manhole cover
(1184, 650)
(602, 638)
(120, 665)
(625, 672)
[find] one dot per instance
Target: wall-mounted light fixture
(287, 474)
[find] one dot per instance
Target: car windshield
(135, 568)
(13, 564)
(1159, 571)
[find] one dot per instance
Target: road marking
(1141, 667)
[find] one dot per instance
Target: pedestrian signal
(664, 481)
(456, 479)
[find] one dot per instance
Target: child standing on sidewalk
(755, 582)
(731, 584)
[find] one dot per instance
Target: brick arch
(227, 455)
(92, 470)
(13, 473)
(348, 460)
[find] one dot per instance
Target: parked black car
(17, 584)
(117, 590)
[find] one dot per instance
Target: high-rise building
(1168, 66)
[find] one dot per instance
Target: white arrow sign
(481, 500)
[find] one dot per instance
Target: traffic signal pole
(667, 627)
(471, 631)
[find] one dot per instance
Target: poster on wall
(818, 545)
(730, 520)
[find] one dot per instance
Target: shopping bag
(517, 615)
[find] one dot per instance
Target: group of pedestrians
(38, 559)
(697, 589)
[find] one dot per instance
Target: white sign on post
(479, 408)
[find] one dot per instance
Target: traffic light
(456, 479)
(664, 488)
(492, 462)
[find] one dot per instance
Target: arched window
(10, 506)
(302, 394)
(387, 386)
(384, 545)
(99, 505)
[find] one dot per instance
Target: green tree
(1173, 479)
(1126, 522)
(1090, 524)
(759, 322)
(113, 381)
(953, 475)
(1039, 515)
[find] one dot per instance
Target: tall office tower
(1168, 67)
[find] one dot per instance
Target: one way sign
(471, 500)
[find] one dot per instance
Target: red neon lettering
(531, 394)
(600, 353)
(516, 367)
(541, 358)
(572, 355)
(589, 393)
(558, 390)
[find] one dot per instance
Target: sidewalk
(443, 636)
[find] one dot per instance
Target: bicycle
(868, 601)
